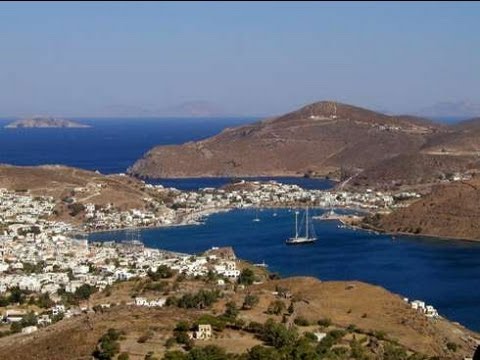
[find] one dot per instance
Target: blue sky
(79, 59)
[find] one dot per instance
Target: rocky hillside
(455, 149)
(363, 321)
(450, 210)
(320, 138)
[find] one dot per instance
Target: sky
(250, 58)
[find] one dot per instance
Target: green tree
(247, 277)
(231, 311)
(277, 335)
(16, 296)
(108, 345)
(84, 292)
(259, 352)
(209, 352)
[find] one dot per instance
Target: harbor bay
(441, 272)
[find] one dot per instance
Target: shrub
(200, 300)
(452, 346)
(259, 352)
(254, 327)
(231, 311)
(249, 302)
(123, 356)
(276, 307)
(301, 321)
(145, 337)
(325, 322)
(108, 345)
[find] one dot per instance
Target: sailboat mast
(306, 224)
(296, 222)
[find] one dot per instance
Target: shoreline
(197, 217)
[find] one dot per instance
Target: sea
(444, 273)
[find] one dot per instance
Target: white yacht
(309, 237)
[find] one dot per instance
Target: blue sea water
(443, 273)
(109, 146)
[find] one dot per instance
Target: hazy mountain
(451, 109)
(197, 108)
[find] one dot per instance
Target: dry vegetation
(369, 313)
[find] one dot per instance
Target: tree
(231, 311)
(250, 301)
(163, 272)
(260, 352)
(84, 292)
(209, 352)
(16, 296)
(276, 307)
(277, 335)
(44, 301)
(247, 277)
(108, 345)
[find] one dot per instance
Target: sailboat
(256, 216)
(309, 238)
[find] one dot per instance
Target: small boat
(274, 214)
(262, 264)
(308, 238)
(326, 216)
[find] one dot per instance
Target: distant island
(45, 122)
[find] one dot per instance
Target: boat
(309, 238)
(262, 264)
(326, 216)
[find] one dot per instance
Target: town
(49, 263)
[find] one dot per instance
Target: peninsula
(45, 122)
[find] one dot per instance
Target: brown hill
(369, 312)
(320, 138)
(462, 139)
(414, 170)
(450, 210)
(123, 192)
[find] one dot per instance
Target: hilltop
(45, 122)
(319, 139)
